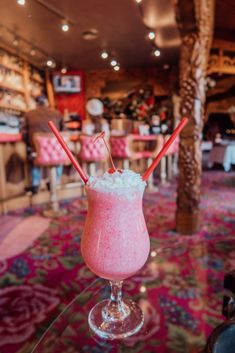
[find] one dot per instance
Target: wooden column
(193, 64)
(50, 90)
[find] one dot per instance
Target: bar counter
(11, 145)
(12, 194)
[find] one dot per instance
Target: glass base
(110, 327)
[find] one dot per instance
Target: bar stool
(50, 154)
(121, 150)
(172, 157)
(91, 153)
(150, 155)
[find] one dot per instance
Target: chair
(50, 154)
(122, 150)
(92, 153)
(222, 338)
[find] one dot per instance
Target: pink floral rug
(186, 281)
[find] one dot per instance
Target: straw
(165, 148)
(68, 152)
(102, 135)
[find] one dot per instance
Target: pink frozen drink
(115, 242)
(115, 245)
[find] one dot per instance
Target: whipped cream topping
(116, 181)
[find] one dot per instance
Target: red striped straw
(68, 152)
(165, 148)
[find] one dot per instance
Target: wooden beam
(223, 44)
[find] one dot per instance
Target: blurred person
(95, 122)
(37, 121)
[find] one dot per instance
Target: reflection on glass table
(179, 291)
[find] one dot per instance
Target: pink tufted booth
(50, 154)
(48, 150)
(121, 147)
(91, 153)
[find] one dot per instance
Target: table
(138, 137)
(223, 154)
(179, 310)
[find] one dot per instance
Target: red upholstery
(92, 152)
(49, 152)
(120, 147)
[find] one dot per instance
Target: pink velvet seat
(50, 154)
(122, 150)
(48, 150)
(92, 153)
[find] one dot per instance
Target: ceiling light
(51, 63)
(151, 35)
(157, 52)
(64, 70)
(65, 26)
(116, 68)
(166, 67)
(21, 2)
(113, 62)
(15, 42)
(104, 54)
(138, 1)
(32, 52)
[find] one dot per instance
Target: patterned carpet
(186, 281)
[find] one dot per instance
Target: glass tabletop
(181, 300)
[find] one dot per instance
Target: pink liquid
(115, 242)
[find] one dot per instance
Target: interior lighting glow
(142, 289)
(21, 2)
(116, 68)
(151, 35)
(49, 63)
(32, 52)
(113, 62)
(104, 55)
(64, 70)
(65, 26)
(157, 52)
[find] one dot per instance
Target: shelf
(12, 67)
(35, 95)
(12, 107)
(12, 88)
(36, 80)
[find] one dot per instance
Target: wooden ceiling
(122, 27)
(225, 20)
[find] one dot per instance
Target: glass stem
(116, 309)
(116, 291)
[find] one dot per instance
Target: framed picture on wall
(67, 83)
